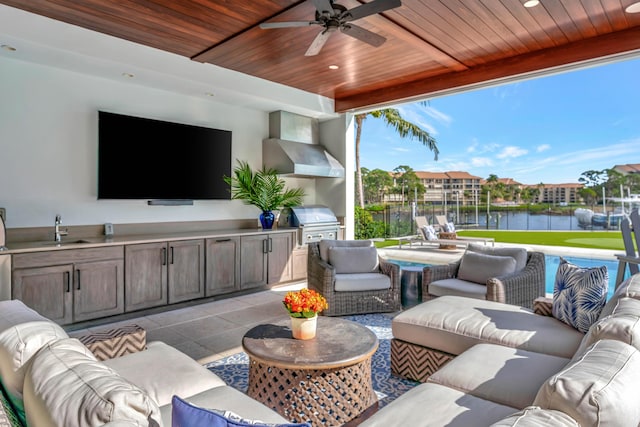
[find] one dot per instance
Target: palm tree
(392, 118)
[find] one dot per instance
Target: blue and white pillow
(579, 294)
(185, 414)
(429, 233)
(449, 228)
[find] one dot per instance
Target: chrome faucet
(57, 237)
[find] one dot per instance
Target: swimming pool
(551, 263)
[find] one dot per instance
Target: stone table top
(338, 343)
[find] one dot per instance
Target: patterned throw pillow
(429, 232)
(579, 294)
(449, 228)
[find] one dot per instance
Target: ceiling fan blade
(270, 25)
(323, 7)
(371, 8)
(318, 43)
(363, 35)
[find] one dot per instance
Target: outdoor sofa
(59, 381)
(484, 363)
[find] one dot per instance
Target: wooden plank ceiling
(432, 45)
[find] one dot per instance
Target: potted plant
(303, 307)
(263, 189)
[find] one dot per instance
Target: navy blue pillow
(184, 414)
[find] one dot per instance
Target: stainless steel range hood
(300, 159)
(292, 148)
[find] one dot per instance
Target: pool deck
(433, 255)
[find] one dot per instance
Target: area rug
(234, 369)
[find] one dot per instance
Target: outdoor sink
(66, 242)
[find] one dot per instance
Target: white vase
(304, 328)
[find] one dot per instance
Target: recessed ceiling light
(531, 3)
(333, 67)
(633, 7)
(128, 75)
(8, 48)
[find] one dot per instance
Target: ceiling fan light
(633, 8)
(531, 3)
(333, 67)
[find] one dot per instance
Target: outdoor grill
(314, 223)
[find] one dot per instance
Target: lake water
(551, 267)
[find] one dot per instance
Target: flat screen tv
(151, 159)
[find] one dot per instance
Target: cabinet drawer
(41, 259)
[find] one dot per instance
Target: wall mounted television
(142, 158)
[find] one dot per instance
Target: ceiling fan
(333, 16)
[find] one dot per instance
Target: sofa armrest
(437, 272)
(543, 306)
(320, 274)
(393, 271)
(112, 343)
(522, 287)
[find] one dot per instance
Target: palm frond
(262, 188)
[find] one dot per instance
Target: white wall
(48, 146)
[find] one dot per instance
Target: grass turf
(577, 239)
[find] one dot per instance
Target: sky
(549, 129)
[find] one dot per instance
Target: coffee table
(324, 381)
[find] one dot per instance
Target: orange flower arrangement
(304, 303)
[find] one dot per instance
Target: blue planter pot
(266, 219)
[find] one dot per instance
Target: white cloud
(543, 147)
(402, 149)
(480, 162)
(511, 152)
(438, 115)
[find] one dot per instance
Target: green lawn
(578, 239)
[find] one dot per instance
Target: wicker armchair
(520, 288)
(321, 277)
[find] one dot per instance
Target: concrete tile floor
(213, 330)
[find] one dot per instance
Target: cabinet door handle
(223, 240)
(171, 255)
(270, 244)
(68, 289)
(164, 256)
(78, 280)
(264, 246)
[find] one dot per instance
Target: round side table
(410, 286)
(324, 381)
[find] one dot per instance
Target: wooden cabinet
(299, 263)
(146, 275)
(71, 286)
(265, 259)
(186, 270)
(163, 273)
(223, 265)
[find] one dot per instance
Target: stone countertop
(70, 242)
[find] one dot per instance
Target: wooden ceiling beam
(572, 53)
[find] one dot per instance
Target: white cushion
(623, 324)
(601, 388)
(66, 386)
(630, 288)
(579, 294)
(13, 312)
(478, 267)
(457, 287)
(325, 244)
(519, 254)
(181, 375)
(361, 282)
(17, 345)
(433, 405)
(354, 260)
(534, 416)
(454, 324)
(501, 374)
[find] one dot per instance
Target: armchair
(352, 277)
(488, 276)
